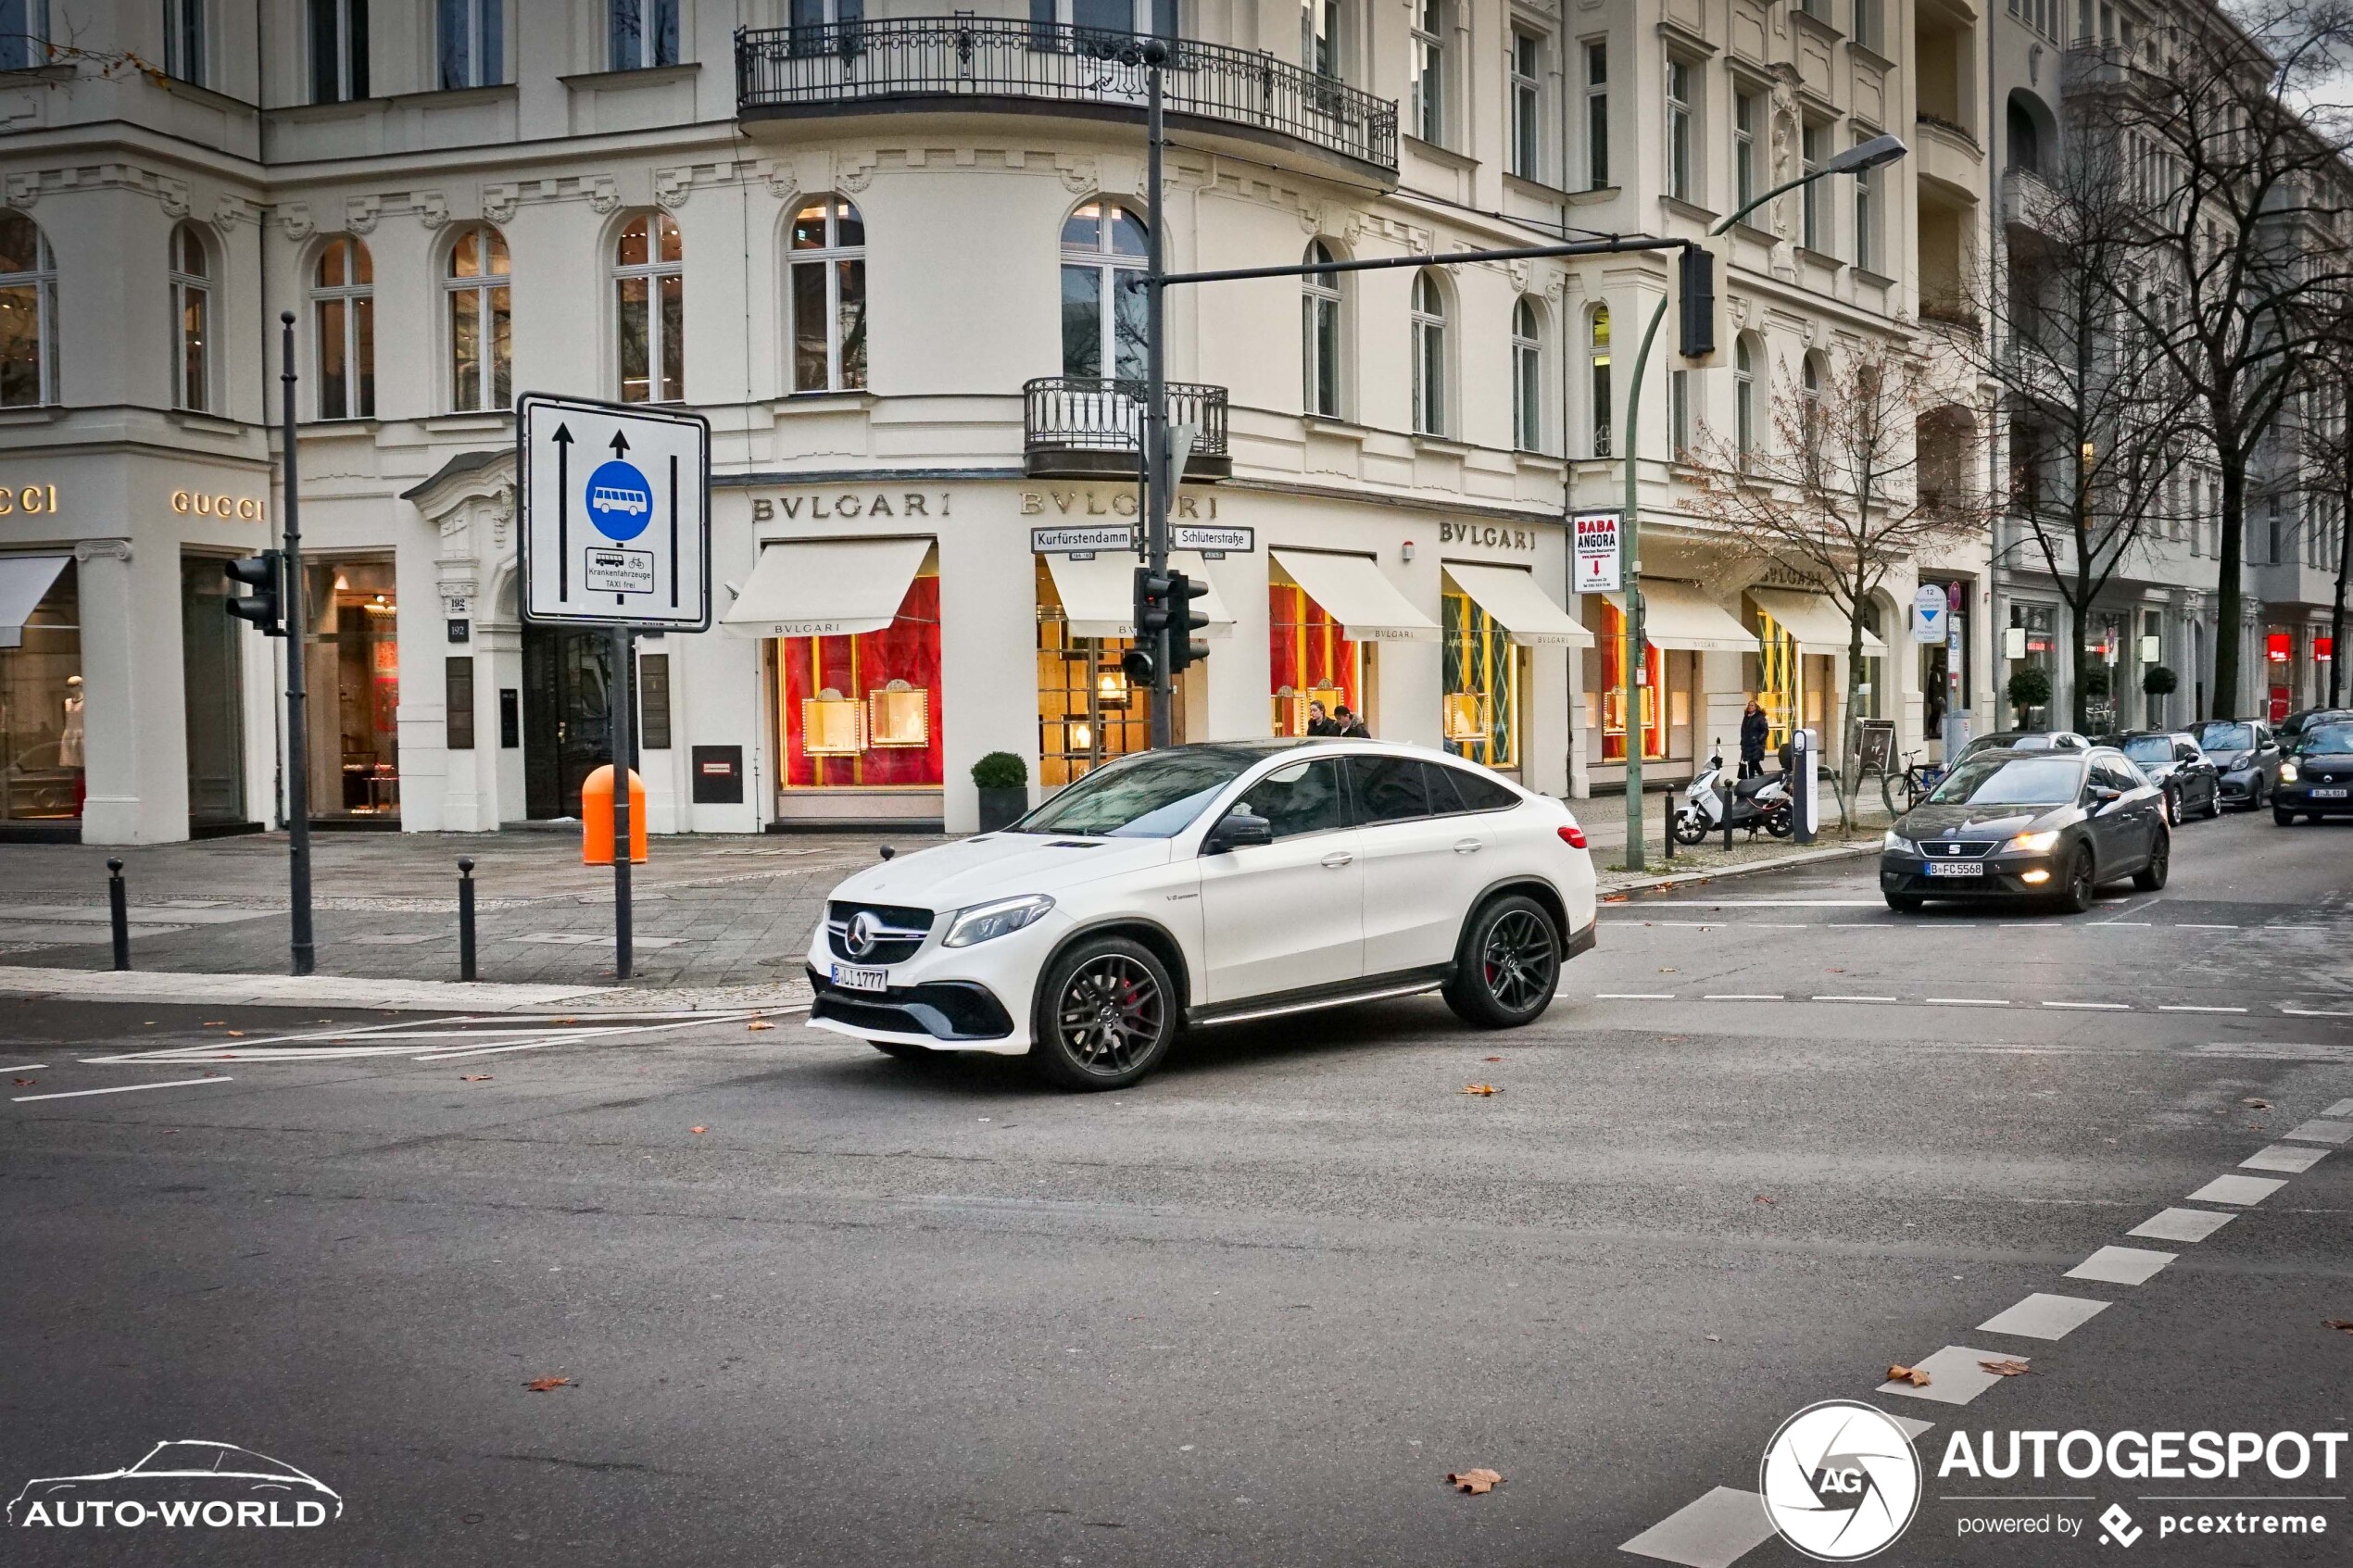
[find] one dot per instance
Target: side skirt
(1405, 983)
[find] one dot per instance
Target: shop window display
(1482, 685)
(1652, 721)
(1088, 713)
(354, 688)
(42, 709)
(862, 712)
(1311, 659)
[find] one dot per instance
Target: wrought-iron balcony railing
(901, 61)
(1093, 426)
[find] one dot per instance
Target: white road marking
(2185, 1007)
(1633, 995)
(2240, 1190)
(1743, 996)
(1854, 998)
(2316, 1012)
(2284, 1157)
(1965, 1002)
(431, 1040)
(2320, 1131)
(2341, 1107)
(2122, 1265)
(2186, 925)
(1714, 1532)
(123, 1089)
(1955, 1377)
(25, 1067)
(2092, 1007)
(2181, 1224)
(2044, 1316)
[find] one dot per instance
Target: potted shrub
(2030, 687)
(2158, 681)
(1003, 782)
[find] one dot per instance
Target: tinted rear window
(1480, 793)
(1389, 789)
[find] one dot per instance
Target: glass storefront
(1482, 685)
(863, 711)
(41, 708)
(353, 676)
(1614, 657)
(1087, 712)
(2030, 637)
(212, 682)
(1311, 659)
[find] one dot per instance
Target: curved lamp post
(1860, 158)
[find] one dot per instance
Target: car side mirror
(2105, 795)
(1240, 830)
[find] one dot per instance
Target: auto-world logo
(2117, 1525)
(186, 1484)
(1839, 1480)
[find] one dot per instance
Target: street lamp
(1860, 158)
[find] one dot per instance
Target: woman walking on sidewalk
(1755, 728)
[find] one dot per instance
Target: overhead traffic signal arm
(265, 606)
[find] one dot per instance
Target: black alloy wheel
(1508, 965)
(2076, 894)
(2151, 877)
(2283, 817)
(1905, 903)
(2213, 799)
(1106, 1015)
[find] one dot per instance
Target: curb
(1678, 879)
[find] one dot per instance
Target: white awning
(1098, 595)
(1814, 620)
(24, 583)
(1677, 615)
(1353, 591)
(1511, 596)
(826, 588)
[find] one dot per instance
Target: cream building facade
(892, 258)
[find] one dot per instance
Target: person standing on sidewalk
(1754, 729)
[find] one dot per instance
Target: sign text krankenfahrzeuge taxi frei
(616, 504)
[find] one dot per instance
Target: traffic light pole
(297, 719)
(1156, 479)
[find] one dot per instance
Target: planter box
(1001, 807)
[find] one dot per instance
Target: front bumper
(973, 998)
(2239, 787)
(962, 1014)
(2006, 876)
(2300, 798)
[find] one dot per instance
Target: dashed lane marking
(2092, 1007)
(122, 1089)
(2181, 1224)
(25, 1067)
(1633, 995)
(2284, 1157)
(2122, 1265)
(1954, 1376)
(2320, 1130)
(1743, 996)
(2185, 1007)
(441, 1039)
(2242, 1191)
(1966, 1001)
(2044, 1316)
(2341, 1107)
(1854, 998)
(2316, 1012)
(1714, 1532)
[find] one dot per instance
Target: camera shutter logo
(1839, 1480)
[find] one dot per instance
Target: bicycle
(1916, 781)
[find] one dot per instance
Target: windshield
(2010, 780)
(1153, 796)
(2225, 737)
(2332, 738)
(2151, 748)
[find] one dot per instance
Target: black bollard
(465, 917)
(118, 914)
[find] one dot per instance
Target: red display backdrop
(908, 650)
(1306, 649)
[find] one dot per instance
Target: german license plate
(2328, 795)
(1957, 868)
(851, 979)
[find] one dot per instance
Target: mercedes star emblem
(864, 932)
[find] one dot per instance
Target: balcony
(961, 64)
(1086, 427)
(2028, 202)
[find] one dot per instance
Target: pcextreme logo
(1839, 1480)
(185, 1484)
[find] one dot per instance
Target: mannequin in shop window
(69, 739)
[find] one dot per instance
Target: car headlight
(985, 922)
(1896, 841)
(2033, 843)
(2287, 773)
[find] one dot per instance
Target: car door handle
(1467, 847)
(1338, 858)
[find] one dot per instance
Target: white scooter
(1761, 802)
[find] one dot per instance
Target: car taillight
(1573, 836)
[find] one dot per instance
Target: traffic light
(1137, 665)
(1696, 282)
(1151, 603)
(265, 606)
(1183, 652)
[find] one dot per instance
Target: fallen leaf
(2005, 1369)
(1615, 898)
(1479, 1088)
(1910, 1375)
(236, 1033)
(26, 1082)
(760, 1023)
(1670, 970)
(214, 1023)
(547, 1384)
(1490, 1058)
(698, 1129)
(1716, 1339)
(1762, 1198)
(475, 1078)
(2258, 1104)
(2343, 1326)
(1475, 1482)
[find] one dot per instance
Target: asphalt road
(816, 1306)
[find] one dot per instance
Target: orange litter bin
(596, 818)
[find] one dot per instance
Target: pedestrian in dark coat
(1755, 730)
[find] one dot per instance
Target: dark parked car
(2028, 740)
(2005, 825)
(2303, 719)
(2193, 786)
(2248, 756)
(2317, 778)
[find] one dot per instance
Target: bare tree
(2240, 165)
(1843, 493)
(2097, 417)
(2324, 461)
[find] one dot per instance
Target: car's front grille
(1956, 849)
(892, 932)
(948, 1010)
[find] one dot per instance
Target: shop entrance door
(212, 682)
(567, 717)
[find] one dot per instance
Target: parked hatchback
(2003, 824)
(2246, 755)
(1206, 884)
(2193, 786)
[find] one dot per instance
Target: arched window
(1431, 32)
(1598, 358)
(1429, 315)
(481, 344)
(649, 289)
(1319, 324)
(829, 296)
(1744, 399)
(343, 314)
(2025, 137)
(1103, 292)
(1528, 377)
(28, 304)
(1810, 396)
(191, 271)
